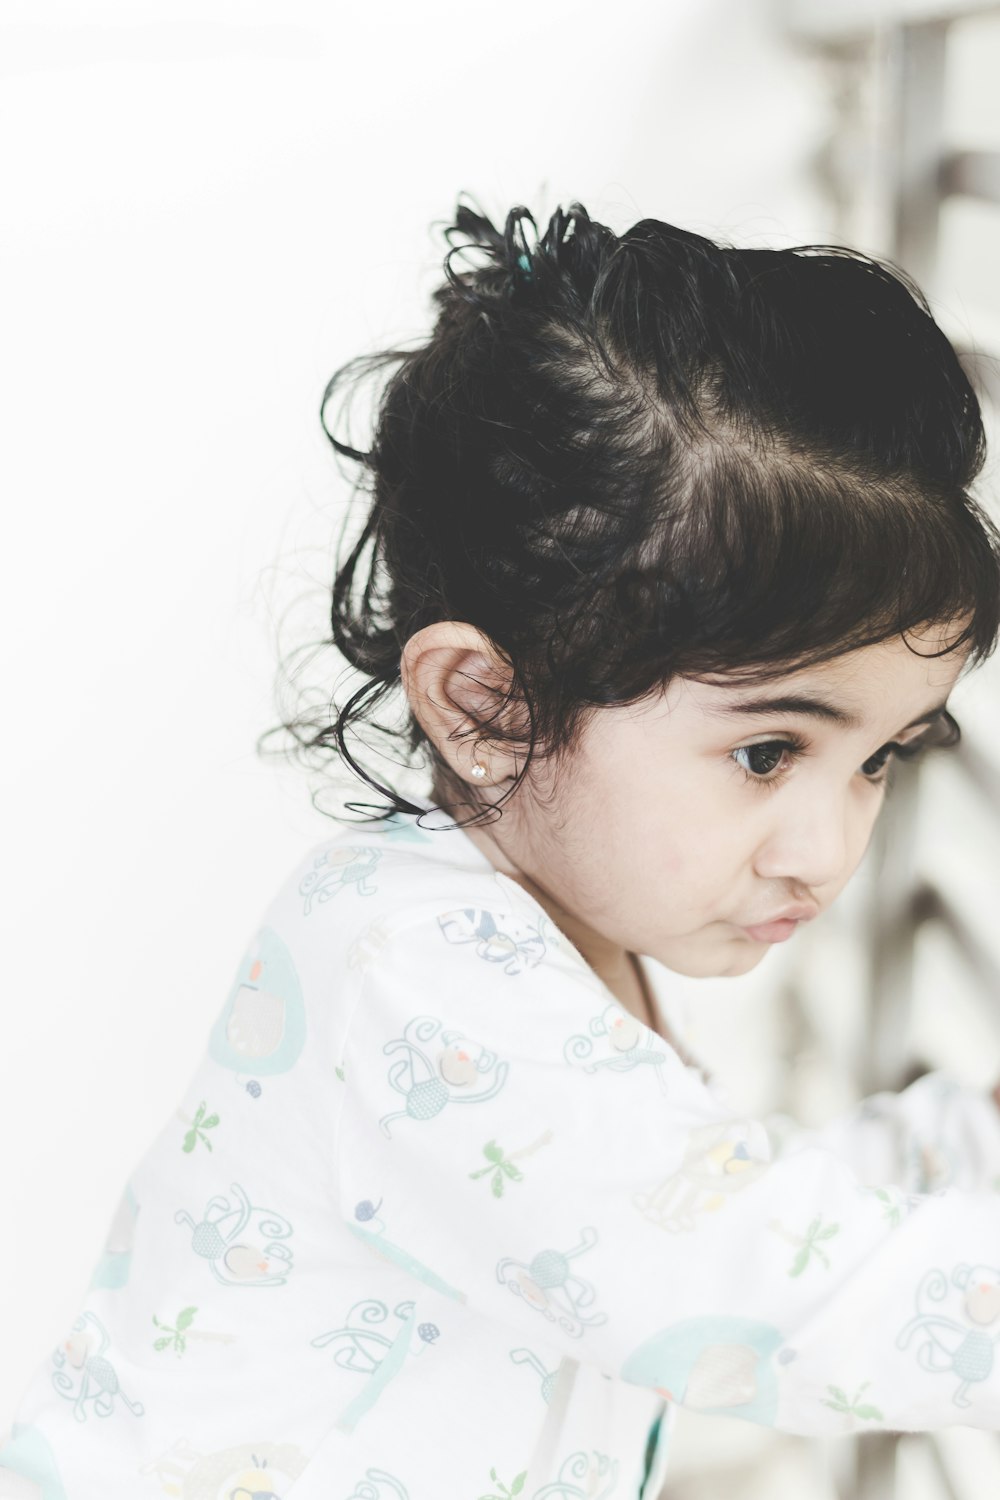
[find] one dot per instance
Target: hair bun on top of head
(571, 243)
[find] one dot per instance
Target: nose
(813, 841)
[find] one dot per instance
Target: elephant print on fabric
(719, 1160)
(547, 1284)
(430, 1078)
(240, 1241)
(341, 867)
(259, 1468)
(262, 1025)
(500, 938)
(94, 1379)
(712, 1364)
(955, 1341)
(617, 1041)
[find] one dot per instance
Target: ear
(455, 680)
(960, 1276)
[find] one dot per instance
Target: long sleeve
(938, 1132)
(518, 1141)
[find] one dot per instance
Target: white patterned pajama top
(437, 1219)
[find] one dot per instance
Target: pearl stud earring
(478, 770)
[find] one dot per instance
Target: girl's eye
(768, 761)
(876, 764)
(759, 762)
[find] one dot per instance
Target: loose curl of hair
(628, 457)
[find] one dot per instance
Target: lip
(781, 926)
(771, 932)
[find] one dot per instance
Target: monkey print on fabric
(326, 1280)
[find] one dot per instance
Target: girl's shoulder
(353, 893)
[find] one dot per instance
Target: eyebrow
(817, 708)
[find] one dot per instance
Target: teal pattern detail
(428, 1080)
(338, 868)
(357, 1346)
(112, 1269)
(711, 1364)
(582, 1476)
(548, 1377)
(387, 1367)
(547, 1284)
(621, 1043)
(378, 1485)
(83, 1374)
(396, 828)
(240, 1241)
(375, 1240)
(27, 1454)
(946, 1344)
(500, 938)
(262, 1025)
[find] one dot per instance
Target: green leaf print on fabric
(502, 1167)
(431, 1077)
(851, 1405)
(240, 1241)
(174, 1336)
(339, 868)
(547, 1284)
(809, 1246)
(945, 1343)
(896, 1204)
(83, 1373)
(199, 1125)
(501, 1491)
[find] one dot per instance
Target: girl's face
(703, 826)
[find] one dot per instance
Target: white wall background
(205, 208)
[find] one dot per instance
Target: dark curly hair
(626, 457)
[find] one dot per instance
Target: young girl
(672, 555)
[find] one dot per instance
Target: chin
(727, 961)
